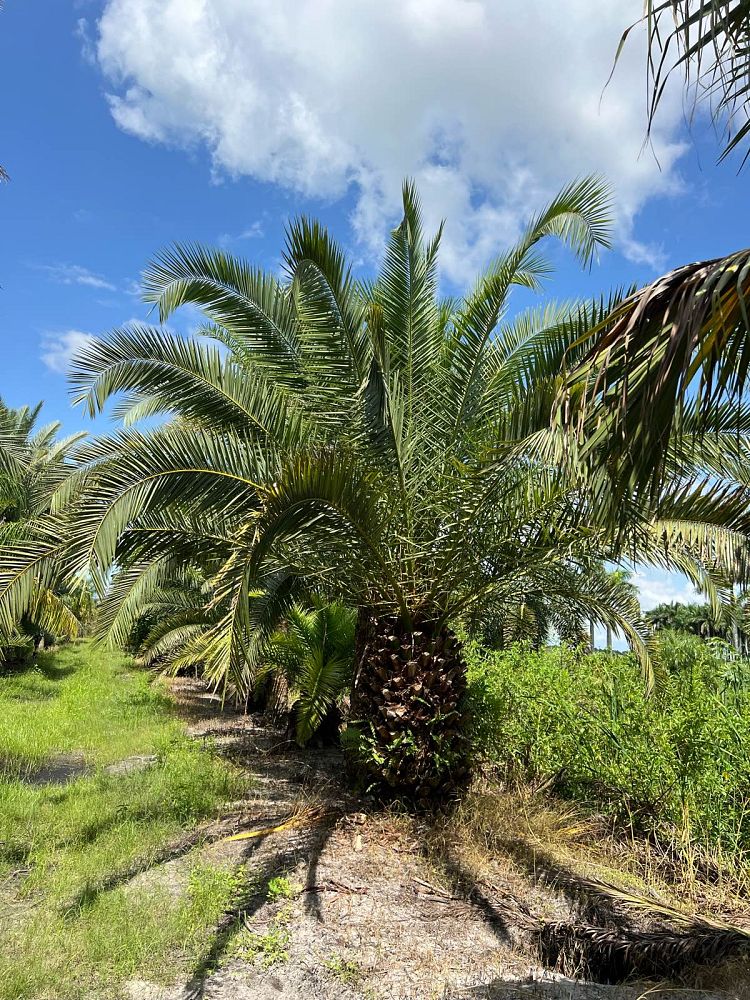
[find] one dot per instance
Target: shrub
(677, 762)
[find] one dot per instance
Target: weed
(670, 769)
(269, 948)
(281, 888)
(345, 970)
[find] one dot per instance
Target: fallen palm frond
(300, 817)
(549, 843)
(612, 955)
(615, 952)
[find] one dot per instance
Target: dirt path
(366, 915)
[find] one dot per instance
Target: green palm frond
(254, 310)
(707, 42)
(164, 373)
(30, 565)
(329, 305)
(50, 614)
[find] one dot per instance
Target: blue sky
(129, 124)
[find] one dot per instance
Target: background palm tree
(33, 463)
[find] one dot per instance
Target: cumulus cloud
(58, 349)
(490, 106)
(661, 587)
(74, 274)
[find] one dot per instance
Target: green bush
(675, 763)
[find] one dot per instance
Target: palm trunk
(609, 638)
(591, 636)
(407, 731)
(277, 697)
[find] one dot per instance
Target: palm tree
(697, 619)
(708, 43)
(542, 611)
(620, 578)
(374, 442)
(33, 463)
(315, 653)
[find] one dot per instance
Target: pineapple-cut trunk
(407, 729)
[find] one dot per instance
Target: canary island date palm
(352, 438)
(379, 444)
(33, 463)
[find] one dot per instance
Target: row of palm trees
(418, 458)
(33, 464)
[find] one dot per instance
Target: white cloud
(252, 232)
(83, 34)
(490, 106)
(661, 587)
(650, 254)
(74, 274)
(59, 348)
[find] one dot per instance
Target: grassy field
(63, 842)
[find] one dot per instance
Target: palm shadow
(309, 843)
(313, 902)
(591, 902)
(495, 915)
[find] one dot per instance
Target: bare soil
(376, 910)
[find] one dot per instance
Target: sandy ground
(370, 916)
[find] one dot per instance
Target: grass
(63, 842)
(123, 934)
(81, 698)
(281, 888)
(345, 970)
(269, 947)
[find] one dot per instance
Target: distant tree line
(699, 619)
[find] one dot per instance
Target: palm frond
(684, 336)
(254, 310)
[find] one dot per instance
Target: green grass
(82, 699)
(345, 970)
(124, 934)
(73, 838)
(281, 888)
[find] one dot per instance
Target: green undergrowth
(82, 698)
(145, 933)
(65, 843)
(674, 766)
